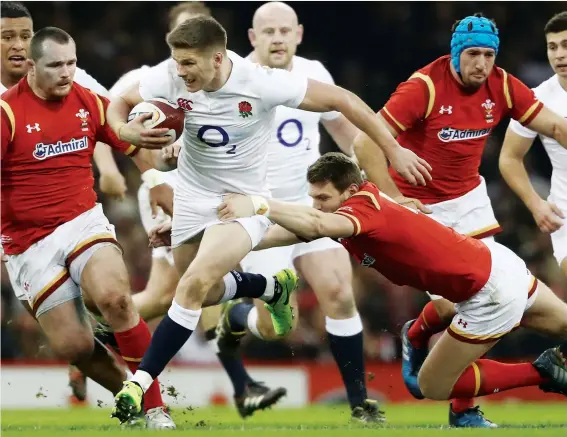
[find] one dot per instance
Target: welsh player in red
(56, 238)
(445, 113)
(491, 286)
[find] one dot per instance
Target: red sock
(427, 324)
(460, 405)
(485, 377)
(133, 344)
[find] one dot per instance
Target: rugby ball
(165, 114)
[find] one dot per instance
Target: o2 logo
(224, 139)
(286, 123)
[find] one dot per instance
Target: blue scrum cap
(473, 31)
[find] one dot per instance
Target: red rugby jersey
(409, 248)
(448, 126)
(47, 146)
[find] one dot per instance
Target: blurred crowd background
(369, 47)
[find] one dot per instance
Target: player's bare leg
(155, 299)
(563, 266)
(105, 279)
(548, 314)
(68, 330)
(208, 280)
(334, 292)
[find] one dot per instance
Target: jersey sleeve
(409, 103)
(106, 135)
(158, 82)
(361, 210)
(8, 126)
(521, 130)
(324, 76)
(522, 101)
(279, 87)
(86, 80)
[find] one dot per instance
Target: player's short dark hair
(193, 8)
(336, 168)
(476, 14)
(47, 34)
(557, 23)
(200, 32)
(14, 10)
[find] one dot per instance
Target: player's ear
(31, 66)
(218, 57)
(299, 34)
(352, 189)
(252, 37)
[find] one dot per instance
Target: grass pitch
(420, 420)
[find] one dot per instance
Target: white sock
(213, 344)
(252, 322)
(345, 327)
(229, 287)
(143, 378)
(129, 374)
(184, 317)
(270, 289)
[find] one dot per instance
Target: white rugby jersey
(127, 80)
(554, 97)
(226, 131)
(294, 142)
(82, 78)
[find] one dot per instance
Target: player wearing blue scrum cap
(445, 113)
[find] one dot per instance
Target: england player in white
(549, 214)
(323, 264)
(230, 106)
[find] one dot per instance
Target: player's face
(476, 65)
(327, 198)
(275, 39)
(53, 73)
(16, 37)
(557, 52)
(197, 68)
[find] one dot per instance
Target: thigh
(446, 362)
(222, 247)
(269, 261)
(547, 314)
(559, 242)
(103, 271)
(184, 255)
(335, 265)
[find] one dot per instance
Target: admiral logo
(448, 134)
(44, 151)
(367, 261)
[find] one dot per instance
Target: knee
(337, 299)
(76, 349)
(195, 285)
(431, 388)
(114, 293)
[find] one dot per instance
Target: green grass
(420, 420)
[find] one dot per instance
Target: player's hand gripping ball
(165, 115)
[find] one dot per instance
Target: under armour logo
(447, 110)
(462, 323)
(35, 127)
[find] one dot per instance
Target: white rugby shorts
(48, 273)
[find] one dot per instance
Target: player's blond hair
(193, 8)
(200, 32)
(336, 168)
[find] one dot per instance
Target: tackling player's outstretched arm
(514, 149)
(302, 220)
(277, 236)
(321, 97)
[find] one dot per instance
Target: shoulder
(548, 88)
(127, 80)
(86, 80)
(311, 68)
